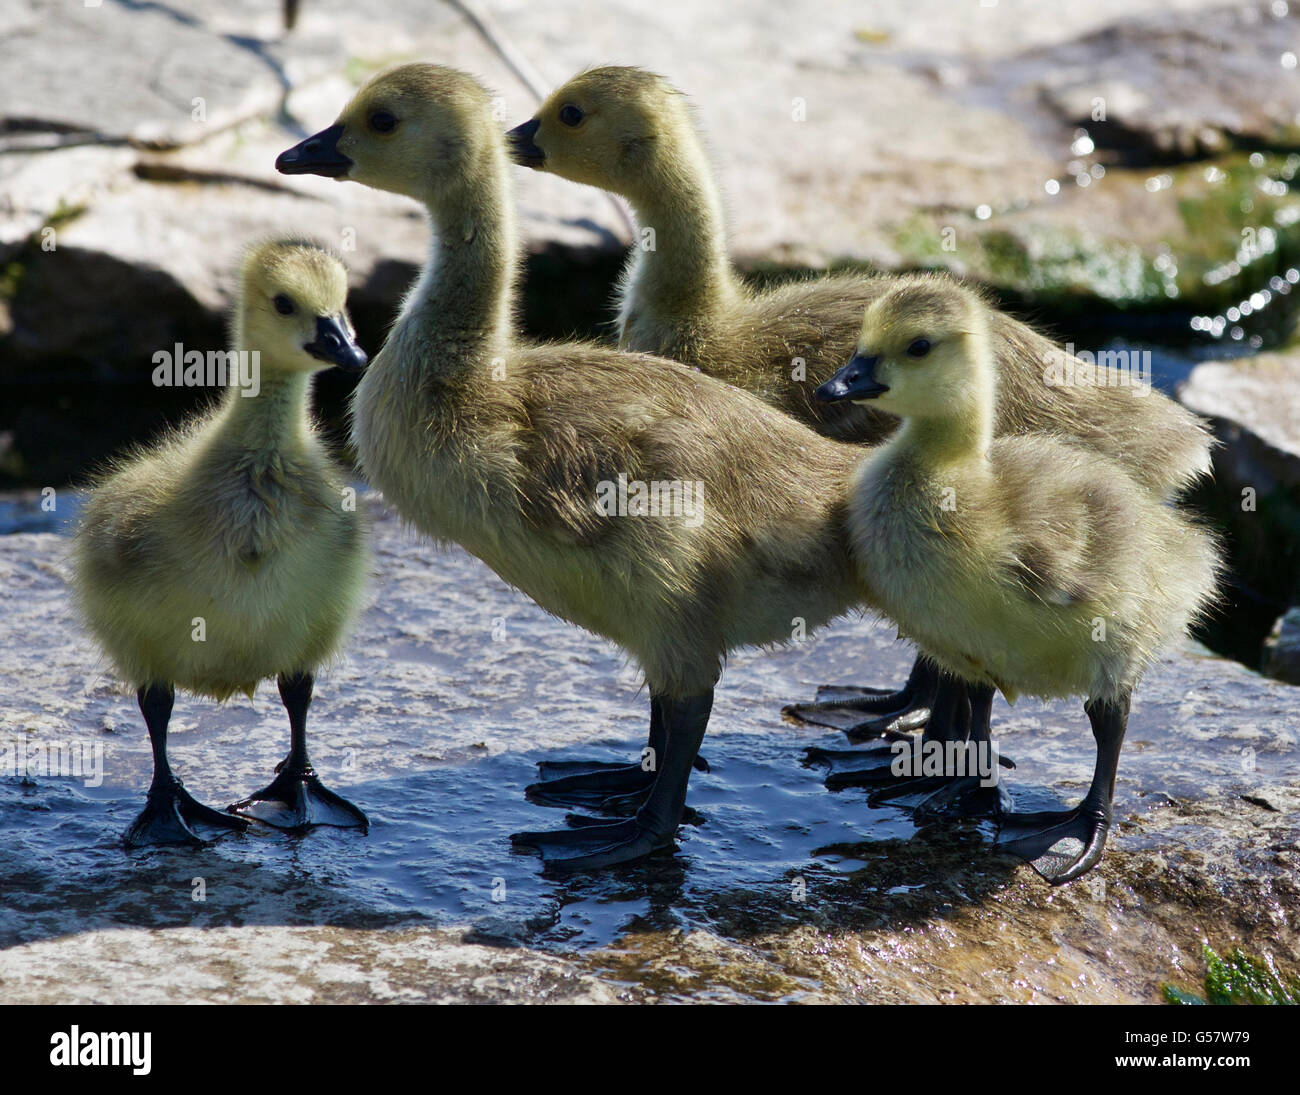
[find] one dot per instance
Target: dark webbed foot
(169, 816)
(866, 713)
(595, 788)
(596, 785)
(296, 799)
(853, 767)
(1063, 845)
(961, 796)
(563, 769)
(931, 797)
(592, 844)
(170, 811)
(937, 776)
(862, 718)
(1060, 846)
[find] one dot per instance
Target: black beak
(522, 149)
(333, 343)
(318, 155)
(856, 380)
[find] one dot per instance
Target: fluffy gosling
(1028, 564)
(232, 551)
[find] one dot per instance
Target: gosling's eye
(571, 115)
(381, 121)
(283, 304)
(919, 348)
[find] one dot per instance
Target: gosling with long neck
(630, 131)
(232, 550)
(507, 448)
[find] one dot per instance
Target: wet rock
(451, 691)
(1254, 408)
(290, 966)
(1161, 87)
(1282, 648)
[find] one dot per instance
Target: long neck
(463, 304)
(276, 418)
(679, 261)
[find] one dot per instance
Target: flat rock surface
(456, 686)
(1260, 393)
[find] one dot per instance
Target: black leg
(875, 766)
(980, 791)
(866, 713)
(613, 788)
(950, 721)
(1063, 845)
(959, 715)
(156, 701)
(170, 810)
(296, 798)
(592, 845)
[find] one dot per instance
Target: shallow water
(438, 759)
(434, 728)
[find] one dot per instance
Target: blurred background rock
(1122, 172)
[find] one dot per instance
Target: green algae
(1239, 978)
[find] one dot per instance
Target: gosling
(1028, 564)
(513, 451)
(232, 550)
(631, 132)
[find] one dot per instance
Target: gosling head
(603, 127)
(292, 308)
(921, 352)
(415, 130)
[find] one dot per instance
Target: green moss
(1007, 258)
(1229, 211)
(1239, 979)
(1048, 263)
(919, 239)
(64, 213)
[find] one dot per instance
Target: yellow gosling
(231, 550)
(1030, 564)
